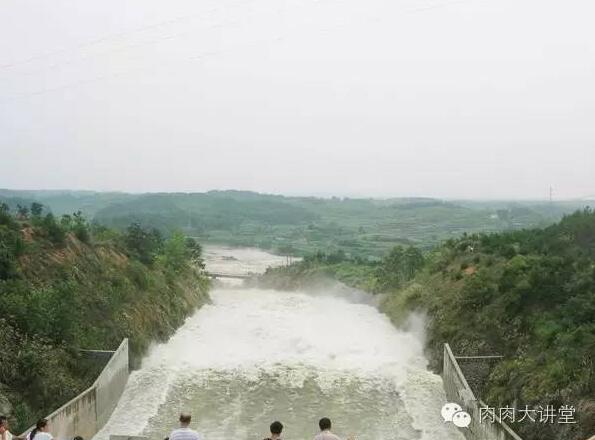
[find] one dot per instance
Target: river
(254, 356)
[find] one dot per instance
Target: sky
(486, 99)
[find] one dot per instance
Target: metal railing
(458, 390)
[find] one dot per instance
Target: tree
(7, 261)
(5, 217)
(66, 221)
(80, 227)
(175, 252)
(142, 244)
(36, 209)
(22, 212)
(195, 252)
(399, 266)
(53, 230)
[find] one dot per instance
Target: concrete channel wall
(110, 384)
(457, 390)
(88, 412)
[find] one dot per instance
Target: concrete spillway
(254, 356)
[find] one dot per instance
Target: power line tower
(551, 194)
(552, 211)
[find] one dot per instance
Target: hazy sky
(446, 98)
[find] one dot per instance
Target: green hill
(300, 225)
(527, 295)
(66, 286)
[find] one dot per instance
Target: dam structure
(254, 355)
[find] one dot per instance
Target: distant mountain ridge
(299, 224)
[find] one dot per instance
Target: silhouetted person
(325, 430)
(184, 432)
(276, 429)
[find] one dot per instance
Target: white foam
(250, 339)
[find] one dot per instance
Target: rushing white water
(222, 259)
(254, 356)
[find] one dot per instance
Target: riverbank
(525, 295)
(66, 288)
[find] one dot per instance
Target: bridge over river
(238, 276)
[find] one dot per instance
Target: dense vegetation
(66, 285)
(527, 295)
(375, 276)
(366, 228)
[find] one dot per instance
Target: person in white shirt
(325, 430)
(184, 432)
(4, 432)
(41, 431)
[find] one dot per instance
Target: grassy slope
(79, 295)
(529, 296)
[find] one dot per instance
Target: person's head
(276, 428)
(78, 437)
(3, 424)
(325, 424)
(185, 419)
(40, 426)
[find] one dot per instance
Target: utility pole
(551, 194)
